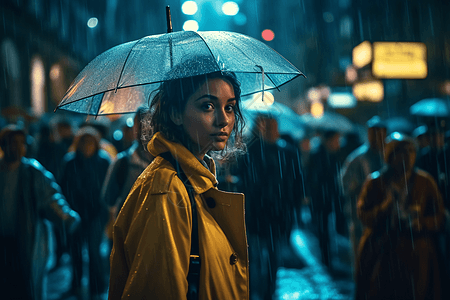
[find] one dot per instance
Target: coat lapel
(229, 214)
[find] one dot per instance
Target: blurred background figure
(102, 125)
(124, 171)
(82, 178)
(421, 135)
(349, 142)
(402, 210)
(64, 134)
(30, 201)
(358, 165)
(434, 158)
(267, 183)
(324, 193)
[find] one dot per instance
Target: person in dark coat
(267, 180)
(124, 171)
(30, 203)
(324, 189)
(82, 178)
(358, 165)
(402, 209)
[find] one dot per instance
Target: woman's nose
(222, 118)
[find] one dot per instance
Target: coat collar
(199, 176)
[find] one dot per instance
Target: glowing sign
(399, 60)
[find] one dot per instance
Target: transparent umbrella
(430, 107)
(329, 121)
(289, 122)
(123, 78)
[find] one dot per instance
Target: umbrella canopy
(399, 124)
(329, 121)
(289, 122)
(430, 107)
(123, 78)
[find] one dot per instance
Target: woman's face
(209, 116)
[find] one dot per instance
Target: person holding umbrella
(357, 166)
(174, 205)
(402, 210)
(177, 236)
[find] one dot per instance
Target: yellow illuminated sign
(372, 91)
(362, 54)
(401, 60)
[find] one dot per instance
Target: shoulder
(357, 154)
(35, 166)
(158, 177)
(423, 175)
(157, 180)
(104, 156)
(69, 156)
(374, 178)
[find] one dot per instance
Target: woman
(402, 210)
(150, 258)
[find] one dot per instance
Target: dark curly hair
(171, 98)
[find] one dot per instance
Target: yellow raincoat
(150, 256)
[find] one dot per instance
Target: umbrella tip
(168, 19)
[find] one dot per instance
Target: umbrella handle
(169, 19)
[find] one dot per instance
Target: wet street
(302, 276)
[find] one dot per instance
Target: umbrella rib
(125, 62)
(206, 44)
(234, 45)
(99, 105)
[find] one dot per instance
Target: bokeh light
(230, 8)
(240, 19)
(190, 25)
(189, 7)
(317, 109)
(130, 122)
(92, 22)
(268, 35)
(118, 135)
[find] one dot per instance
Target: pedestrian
(358, 165)
(324, 189)
(421, 135)
(30, 203)
(175, 218)
(402, 209)
(267, 173)
(83, 174)
(124, 171)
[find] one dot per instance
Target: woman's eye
(229, 108)
(207, 106)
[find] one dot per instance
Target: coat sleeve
(150, 257)
(433, 212)
(51, 203)
(370, 201)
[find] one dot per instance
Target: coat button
(210, 202)
(233, 259)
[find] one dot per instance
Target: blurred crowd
(385, 188)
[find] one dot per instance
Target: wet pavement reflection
(302, 276)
